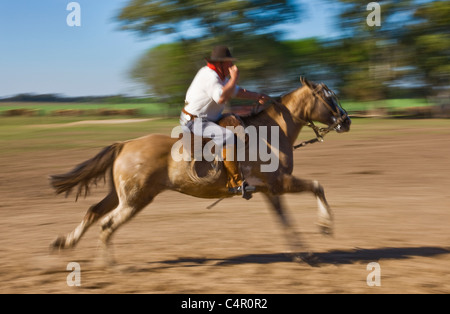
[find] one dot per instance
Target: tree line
(58, 98)
(407, 56)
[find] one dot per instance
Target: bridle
(320, 132)
(338, 117)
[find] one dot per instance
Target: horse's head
(324, 107)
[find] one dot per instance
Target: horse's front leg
(291, 184)
(299, 249)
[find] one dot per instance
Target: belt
(190, 116)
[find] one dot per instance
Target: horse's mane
(278, 104)
(298, 97)
(259, 113)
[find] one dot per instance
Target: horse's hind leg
(94, 213)
(119, 216)
(292, 184)
(299, 249)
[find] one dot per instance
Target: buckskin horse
(142, 168)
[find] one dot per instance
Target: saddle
(230, 119)
(236, 183)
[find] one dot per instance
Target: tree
(369, 58)
(206, 19)
(409, 49)
(429, 40)
(247, 26)
(310, 57)
(166, 71)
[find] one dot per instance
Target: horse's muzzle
(344, 126)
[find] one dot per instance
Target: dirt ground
(389, 189)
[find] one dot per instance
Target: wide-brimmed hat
(221, 54)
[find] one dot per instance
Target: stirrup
(245, 190)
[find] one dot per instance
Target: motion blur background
(62, 89)
(402, 63)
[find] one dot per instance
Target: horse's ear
(305, 82)
(302, 80)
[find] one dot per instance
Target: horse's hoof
(109, 263)
(58, 245)
(326, 229)
(309, 258)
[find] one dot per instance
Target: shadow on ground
(334, 257)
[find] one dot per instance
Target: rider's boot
(236, 183)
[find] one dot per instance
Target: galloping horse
(142, 168)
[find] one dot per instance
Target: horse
(142, 168)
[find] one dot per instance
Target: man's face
(226, 65)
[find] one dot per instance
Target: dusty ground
(389, 188)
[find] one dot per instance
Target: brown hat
(221, 54)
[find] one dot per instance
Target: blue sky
(40, 53)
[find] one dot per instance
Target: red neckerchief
(214, 68)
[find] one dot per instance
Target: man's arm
(229, 89)
(245, 94)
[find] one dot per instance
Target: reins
(320, 132)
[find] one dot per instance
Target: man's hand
(234, 73)
(258, 97)
(229, 89)
(263, 98)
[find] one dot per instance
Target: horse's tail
(87, 172)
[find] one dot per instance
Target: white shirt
(202, 97)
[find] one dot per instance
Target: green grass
(159, 109)
(28, 134)
(49, 134)
(45, 109)
(352, 106)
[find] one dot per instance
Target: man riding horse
(213, 86)
(142, 168)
